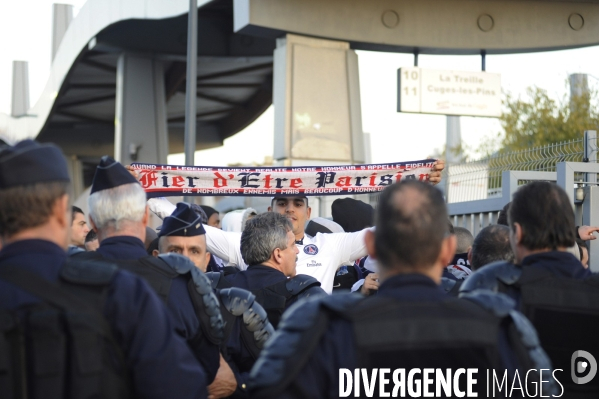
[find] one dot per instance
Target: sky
(25, 29)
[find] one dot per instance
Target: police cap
(110, 174)
(30, 162)
(182, 222)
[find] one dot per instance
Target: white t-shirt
(318, 256)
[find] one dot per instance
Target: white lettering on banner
(174, 180)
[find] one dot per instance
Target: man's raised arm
(226, 245)
(350, 246)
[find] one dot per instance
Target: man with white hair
(119, 214)
(72, 329)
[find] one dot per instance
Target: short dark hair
(544, 212)
(502, 217)
(464, 238)
(154, 245)
(91, 236)
(490, 245)
(28, 206)
(411, 223)
(272, 201)
(76, 209)
(262, 235)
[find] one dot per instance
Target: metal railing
(482, 179)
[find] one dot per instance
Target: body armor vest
(565, 313)
(277, 297)
(62, 347)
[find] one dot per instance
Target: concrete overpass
(117, 82)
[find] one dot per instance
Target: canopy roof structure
(236, 40)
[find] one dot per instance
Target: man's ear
(207, 257)
(93, 224)
(62, 211)
(276, 256)
(146, 217)
(470, 256)
(369, 241)
(269, 209)
(309, 212)
(517, 233)
(155, 253)
(448, 246)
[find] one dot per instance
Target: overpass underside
(128, 85)
(125, 92)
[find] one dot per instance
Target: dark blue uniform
(319, 378)
(179, 303)
(160, 362)
(561, 264)
(256, 277)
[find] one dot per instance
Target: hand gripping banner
(174, 180)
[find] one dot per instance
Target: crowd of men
(282, 305)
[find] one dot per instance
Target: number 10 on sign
(408, 99)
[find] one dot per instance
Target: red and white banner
(174, 180)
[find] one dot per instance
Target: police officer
(183, 233)
(411, 324)
(70, 329)
(549, 285)
(246, 325)
(119, 215)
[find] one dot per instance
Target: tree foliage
(540, 120)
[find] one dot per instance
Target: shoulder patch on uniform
(88, 272)
(311, 249)
(488, 277)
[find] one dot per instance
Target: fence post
(590, 217)
(590, 152)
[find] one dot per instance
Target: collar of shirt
(301, 241)
(39, 256)
(122, 248)
(411, 287)
(560, 263)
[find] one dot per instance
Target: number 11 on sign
(408, 80)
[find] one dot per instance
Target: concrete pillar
(62, 15)
(453, 139)
(76, 173)
(579, 87)
(20, 88)
(317, 102)
(140, 116)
